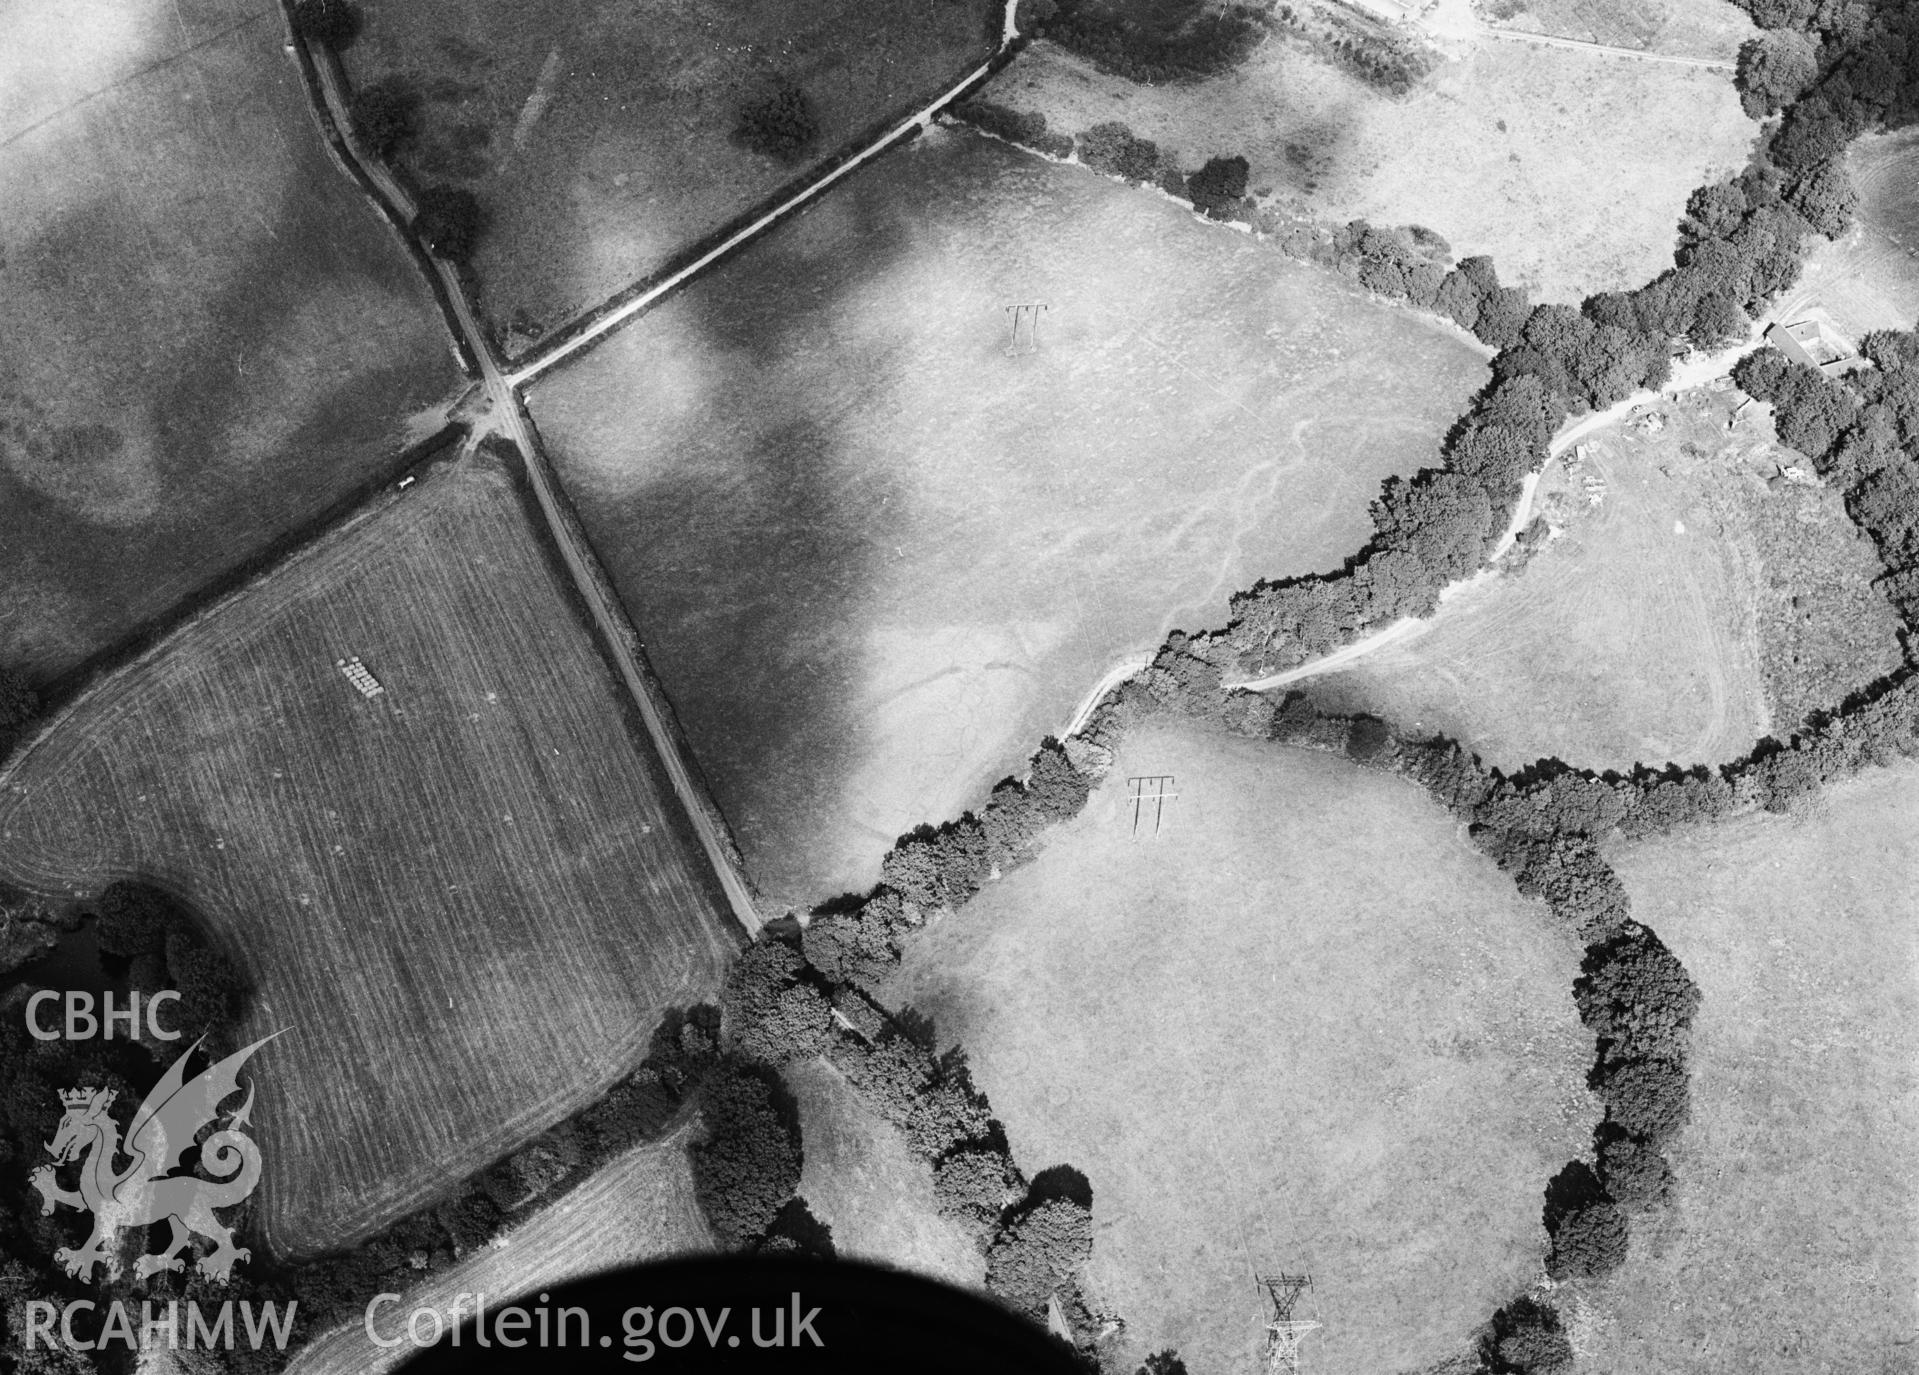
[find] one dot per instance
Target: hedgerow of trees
(449, 221)
(1187, 40)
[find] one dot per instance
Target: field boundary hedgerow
(339, 148)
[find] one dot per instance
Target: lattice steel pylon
(1284, 1329)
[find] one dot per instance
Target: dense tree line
(780, 125)
(331, 23)
(386, 115)
(801, 991)
(449, 221)
(1188, 40)
(1029, 130)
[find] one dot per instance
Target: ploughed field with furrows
(638, 1206)
(882, 523)
(404, 791)
(213, 338)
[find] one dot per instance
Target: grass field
(863, 1180)
(637, 1207)
(1869, 279)
(1792, 1247)
(1680, 28)
(469, 899)
(598, 134)
(1307, 1027)
(875, 557)
(212, 338)
(1660, 624)
(1570, 168)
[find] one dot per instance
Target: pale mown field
(863, 1180)
(598, 133)
(1869, 279)
(467, 900)
(1307, 1027)
(1792, 1248)
(637, 1207)
(1702, 603)
(211, 338)
(1570, 168)
(876, 557)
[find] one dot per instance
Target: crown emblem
(76, 1098)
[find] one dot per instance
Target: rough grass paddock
(1792, 1247)
(1571, 169)
(1869, 279)
(468, 900)
(875, 558)
(637, 1207)
(599, 134)
(1306, 1028)
(863, 1180)
(1637, 634)
(211, 338)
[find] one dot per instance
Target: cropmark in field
(1569, 167)
(1790, 1245)
(398, 782)
(212, 337)
(600, 136)
(1284, 1017)
(883, 522)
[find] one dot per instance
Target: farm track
(1711, 64)
(1688, 375)
(504, 414)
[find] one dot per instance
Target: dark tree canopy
(1114, 149)
(1636, 996)
(386, 115)
(1040, 1254)
(749, 1164)
(1650, 1099)
(1774, 70)
(449, 221)
(1219, 186)
(774, 1012)
(1527, 1338)
(781, 125)
(333, 22)
(1589, 1242)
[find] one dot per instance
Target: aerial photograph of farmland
(1239, 678)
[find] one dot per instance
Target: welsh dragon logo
(147, 1191)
